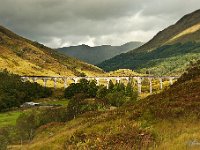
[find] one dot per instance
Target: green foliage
(80, 104)
(14, 92)
(92, 89)
(52, 115)
(129, 89)
(29, 121)
(111, 85)
(116, 98)
(130, 92)
(102, 92)
(26, 125)
(74, 106)
(116, 95)
(88, 87)
(9, 118)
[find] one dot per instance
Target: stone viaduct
(99, 80)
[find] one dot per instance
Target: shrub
(116, 95)
(28, 122)
(74, 105)
(130, 92)
(102, 92)
(88, 87)
(26, 125)
(116, 98)
(58, 114)
(111, 85)
(81, 104)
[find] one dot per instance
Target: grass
(9, 118)
(63, 102)
(177, 134)
(113, 130)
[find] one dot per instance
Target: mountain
(24, 57)
(166, 53)
(98, 54)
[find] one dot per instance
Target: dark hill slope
(165, 60)
(98, 54)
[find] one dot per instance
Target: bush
(116, 98)
(116, 95)
(102, 92)
(26, 125)
(58, 114)
(88, 87)
(28, 122)
(80, 104)
(74, 106)
(130, 92)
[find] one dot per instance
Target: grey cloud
(70, 22)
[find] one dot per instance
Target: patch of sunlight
(185, 32)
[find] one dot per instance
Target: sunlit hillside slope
(21, 56)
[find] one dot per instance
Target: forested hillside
(165, 60)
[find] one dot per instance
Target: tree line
(14, 92)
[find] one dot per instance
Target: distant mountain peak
(97, 54)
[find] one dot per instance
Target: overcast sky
(58, 23)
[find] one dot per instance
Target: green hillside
(21, 56)
(97, 54)
(165, 60)
(167, 53)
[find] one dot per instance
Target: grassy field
(9, 118)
